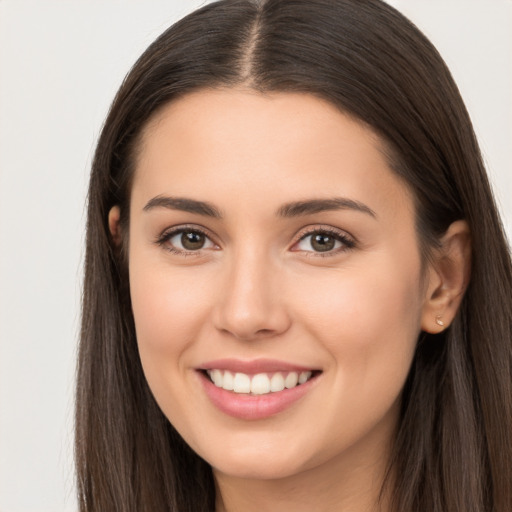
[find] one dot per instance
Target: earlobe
(449, 276)
(114, 216)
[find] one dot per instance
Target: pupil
(322, 243)
(192, 241)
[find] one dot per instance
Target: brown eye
(186, 240)
(192, 240)
(322, 242)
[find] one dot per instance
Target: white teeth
(228, 382)
(242, 383)
(277, 382)
(216, 376)
(304, 376)
(259, 384)
(291, 380)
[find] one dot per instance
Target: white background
(60, 65)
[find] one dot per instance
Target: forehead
(260, 121)
(213, 141)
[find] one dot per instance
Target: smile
(259, 384)
(256, 390)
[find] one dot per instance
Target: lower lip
(254, 407)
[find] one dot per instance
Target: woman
(297, 288)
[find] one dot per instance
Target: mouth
(258, 384)
(256, 390)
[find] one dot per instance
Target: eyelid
(170, 232)
(348, 241)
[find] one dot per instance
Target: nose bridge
(250, 304)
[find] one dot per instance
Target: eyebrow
(183, 204)
(288, 210)
(299, 208)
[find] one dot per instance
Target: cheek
(368, 318)
(167, 306)
(169, 312)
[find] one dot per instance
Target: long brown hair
(453, 450)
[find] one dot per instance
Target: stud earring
(439, 321)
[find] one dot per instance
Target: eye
(185, 240)
(324, 241)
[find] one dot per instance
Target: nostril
(264, 332)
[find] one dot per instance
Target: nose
(251, 303)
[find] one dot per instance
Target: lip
(253, 407)
(255, 366)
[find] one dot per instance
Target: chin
(258, 460)
(262, 468)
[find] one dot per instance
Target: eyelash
(346, 241)
(164, 238)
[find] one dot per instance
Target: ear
(114, 216)
(448, 278)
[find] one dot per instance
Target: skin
(258, 288)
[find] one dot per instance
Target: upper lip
(254, 366)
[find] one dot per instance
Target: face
(273, 251)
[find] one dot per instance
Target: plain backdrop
(60, 65)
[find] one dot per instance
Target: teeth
(259, 384)
(304, 377)
(291, 380)
(216, 376)
(229, 381)
(277, 382)
(241, 383)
